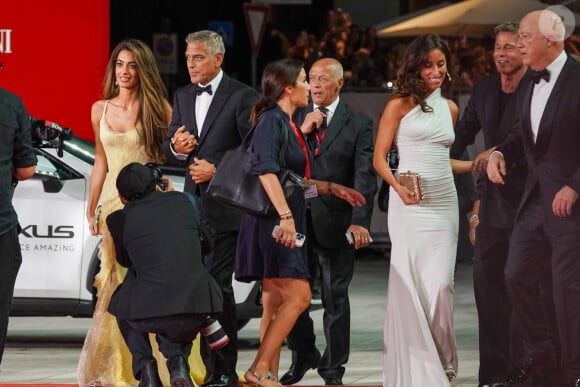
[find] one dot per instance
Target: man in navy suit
(342, 149)
(166, 291)
(210, 117)
(491, 109)
(547, 226)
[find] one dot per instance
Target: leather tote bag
(234, 185)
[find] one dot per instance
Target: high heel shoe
(257, 380)
(450, 372)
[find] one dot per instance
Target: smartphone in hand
(300, 238)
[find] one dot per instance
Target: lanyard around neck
(303, 146)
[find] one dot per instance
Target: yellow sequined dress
(105, 359)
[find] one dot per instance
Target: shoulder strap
(285, 143)
(194, 204)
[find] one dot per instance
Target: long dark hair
(276, 76)
(152, 95)
(409, 80)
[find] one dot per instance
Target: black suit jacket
(499, 203)
(226, 124)
(554, 159)
(157, 238)
(345, 157)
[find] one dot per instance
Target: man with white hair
(546, 235)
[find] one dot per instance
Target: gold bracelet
(286, 215)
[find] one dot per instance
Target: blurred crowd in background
(370, 62)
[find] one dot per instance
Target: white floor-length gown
(419, 340)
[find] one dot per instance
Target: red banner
(54, 55)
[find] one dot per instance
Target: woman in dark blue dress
(277, 261)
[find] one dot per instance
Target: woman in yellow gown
(129, 125)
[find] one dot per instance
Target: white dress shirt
(331, 109)
(202, 103)
(542, 91)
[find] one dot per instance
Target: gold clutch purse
(412, 181)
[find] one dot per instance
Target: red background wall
(60, 49)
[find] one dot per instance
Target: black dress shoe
(333, 381)
(300, 364)
(148, 376)
(222, 381)
(179, 372)
(537, 366)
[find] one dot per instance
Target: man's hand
(480, 162)
(564, 201)
(182, 141)
(361, 235)
(313, 120)
(351, 196)
(496, 168)
(201, 170)
(473, 223)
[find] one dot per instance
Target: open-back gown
(419, 341)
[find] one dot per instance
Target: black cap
(135, 180)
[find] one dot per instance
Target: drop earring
(116, 83)
(449, 76)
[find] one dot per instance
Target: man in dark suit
(342, 149)
(491, 109)
(547, 226)
(210, 117)
(167, 290)
(17, 162)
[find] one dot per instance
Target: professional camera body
(48, 134)
(158, 174)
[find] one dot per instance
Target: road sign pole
(255, 22)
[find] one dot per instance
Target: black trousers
(542, 242)
(174, 334)
(336, 267)
(10, 260)
(493, 305)
(220, 264)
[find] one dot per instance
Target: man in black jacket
(491, 109)
(342, 149)
(211, 116)
(167, 290)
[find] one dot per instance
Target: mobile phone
(300, 238)
(350, 238)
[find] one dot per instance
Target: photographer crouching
(167, 290)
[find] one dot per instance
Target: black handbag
(234, 185)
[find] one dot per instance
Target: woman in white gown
(419, 341)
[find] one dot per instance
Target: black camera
(158, 174)
(48, 134)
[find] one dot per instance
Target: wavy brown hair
(409, 82)
(152, 95)
(276, 76)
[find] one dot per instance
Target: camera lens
(157, 174)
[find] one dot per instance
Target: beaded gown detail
(419, 339)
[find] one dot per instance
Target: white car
(59, 255)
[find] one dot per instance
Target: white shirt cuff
(178, 156)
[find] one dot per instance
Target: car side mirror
(50, 182)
